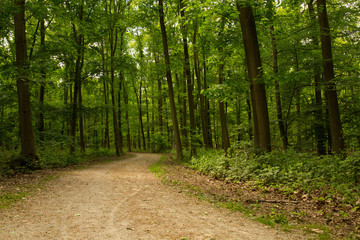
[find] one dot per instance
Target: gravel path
(123, 200)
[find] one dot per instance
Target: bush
(290, 169)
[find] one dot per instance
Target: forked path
(123, 200)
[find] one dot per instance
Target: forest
(242, 90)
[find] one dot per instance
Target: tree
(169, 82)
(257, 85)
(28, 150)
(337, 141)
(189, 82)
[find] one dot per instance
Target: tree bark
(320, 135)
(170, 84)
(204, 127)
(26, 131)
(337, 141)
(41, 124)
(189, 82)
(253, 62)
(283, 134)
(126, 101)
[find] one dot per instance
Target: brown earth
(121, 200)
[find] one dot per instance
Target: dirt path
(123, 200)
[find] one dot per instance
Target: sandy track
(123, 200)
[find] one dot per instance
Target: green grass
(158, 168)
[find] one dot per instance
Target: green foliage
(329, 176)
(159, 143)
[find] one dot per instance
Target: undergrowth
(50, 156)
(328, 176)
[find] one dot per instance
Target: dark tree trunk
(222, 113)
(79, 40)
(319, 118)
(170, 84)
(189, 82)
(253, 62)
(337, 141)
(204, 127)
(126, 101)
(160, 102)
(26, 131)
(250, 132)
(224, 130)
(41, 124)
(81, 122)
(207, 105)
(283, 133)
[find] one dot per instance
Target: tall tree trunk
(160, 102)
(250, 133)
(170, 84)
(222, 113)
(337, 140)
(224, 130)
(140, 116)
(319, 118)
(79, 40)
(77, 80)
(126, 101)
(283, 133)
(253, 60)
(81, 121)
(26, 131)
(113, 44)
(189, 82)
(122, 78)
(41, 124)
(147, 118)
(204, 127)
(207, 105)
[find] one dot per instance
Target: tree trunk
(207, 105)
(26, 131)
(224, 130)
(81, 122)
(41, 124)
(160, 102)
(204, 127)
(318, 112)
(283, 134)
(337, 141)
(126, 101)
(253, 63)
(189, 82)
(170, 84)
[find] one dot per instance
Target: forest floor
(120, 199)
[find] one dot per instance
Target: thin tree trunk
(224, 130)
(26, 131)
(81, 122)
(204, 127)
(189, 82)
(283, 134)
(170, 84)
(41, 124)
(126, 101)
(255, 76)
(207, 105)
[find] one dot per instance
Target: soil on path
(123, 200)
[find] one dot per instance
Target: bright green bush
(290, 169)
